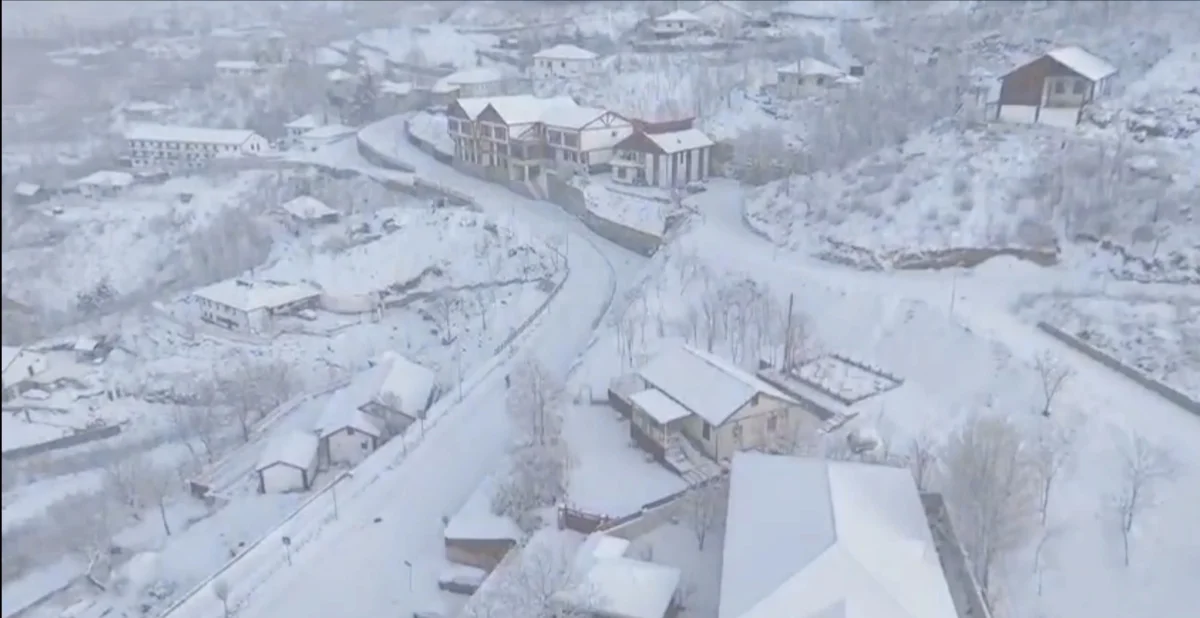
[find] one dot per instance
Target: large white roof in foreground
(808, 538)
(1083, 62)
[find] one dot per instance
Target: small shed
(288, 463)
(307, 209)
(26, 193)
(347, 434)
(105, 183)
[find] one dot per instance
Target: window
(772, 422)
(737, 433)
(1079, 87)
(1060, 87)
(562, 65)
(349, 431)
(707, 431)
(500, 132)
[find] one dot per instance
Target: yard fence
(1079, 345)
(631, 525)
(82, 437)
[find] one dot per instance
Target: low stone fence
(82, 437)
(1170, 394)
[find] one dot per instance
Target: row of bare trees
(1000, 483)
(540, 460)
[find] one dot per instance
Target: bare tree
(533, 400)
(626, 336)
(90, 524)
(1143, 467)
(990, 483)
(704, 509)
(538, 476)
(922, 460)
(1051, 453)
(198, 423)
(543, 583)
(252, 388)
(712, 311)
(1053, 374)
(157, 484)
(123, 478)
(1049, 535)
(220, 589)
(441, 310)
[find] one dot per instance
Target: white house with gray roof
(810, 538)
(692, 399)
(564, 61)
(239, 304)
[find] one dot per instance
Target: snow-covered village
(599, 309)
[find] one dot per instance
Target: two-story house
(583, 137)
(564, 61)
(174, 147)
(662, 155)
(676, 23)
(507, 138)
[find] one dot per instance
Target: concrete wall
(82, 437)
(573, 201)
(1085, 348)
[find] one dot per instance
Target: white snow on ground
(675, 544)
(432, 45)
(843, 378)
(432, 129)
(625, 207)
(990, 187)
(464, 448)
(1160, 336)
(131, 240)
(610, 477)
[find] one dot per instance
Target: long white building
(176, 147)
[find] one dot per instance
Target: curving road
(391, 534)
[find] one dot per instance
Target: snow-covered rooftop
(328, 131)
(479, 75)
(811, 66)
(704, 384)
(188, 135)
(107, 178)
(527, 109)
(339, 75)
(307, 207)
(660, 407)
(26, 189)
(807, 535)
(1083, 62)
(406, 386)
(566, 51)
(680, 141)
(599, 546)
(476, 521)
(571, 116)
(146, 106)
(396, 88)
(290, 448)
(624, 587)
(338, 415)
(238, 65)
(678, 15)
(250, 296)
(307, 121)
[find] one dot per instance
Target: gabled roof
(813, 538)
(1083, 62)
(406, 386)
(339, 414)
(571, 116)
(678, 15)
(679, 141)
(292, 448)
(521, 107)
(307, 121)
(107, 178)
(1076, 59)
(812, 66)
(307, 207)
(250, 296)
(566, 51)
(709, 387)
(26, 189)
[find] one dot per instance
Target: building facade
(176, 147)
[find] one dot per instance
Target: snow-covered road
(391, 534)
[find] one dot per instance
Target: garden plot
(844, 379)
(1158, 336)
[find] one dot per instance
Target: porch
(656, 425)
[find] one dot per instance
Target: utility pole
(787, 334)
